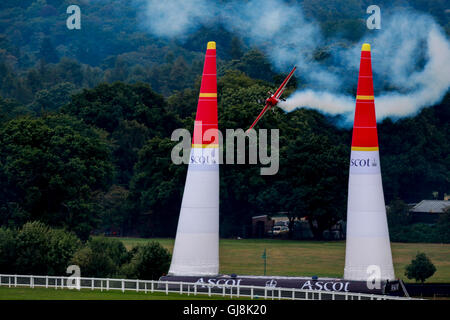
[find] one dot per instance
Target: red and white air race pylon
(368, 248)
(196, 249)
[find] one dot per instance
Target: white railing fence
(183, 288)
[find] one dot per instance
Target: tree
(421, 268)
(10, 108)
(101, 257)
(156, 190)
(113, 208)
(127, 140)
(8, 253)
(398, 213)
(256, 65)
(47, 51)
(235, 50)
(44, 251)
(149, 262)
(107, 105)
(93, 263)
(53, 98)
(50, 168)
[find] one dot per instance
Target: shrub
(113, 248)
(149, 262)
(62, 246)
(421, 268)
(32, 249)
(101, 257)
(94, 263)
(8, 253)
(42, 250)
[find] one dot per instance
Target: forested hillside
(86, 119)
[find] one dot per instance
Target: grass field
(243, 257)
(308, 258)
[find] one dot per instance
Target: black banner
(316, 284)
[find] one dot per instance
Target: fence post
(92, 284)
(152, 286)
(62, 283)
(238, 291)
(279, 294)
(101, 285)
(32, 282)
(107, 284)
(320, 295)
(195, 289)
(265, 293)
(145, 286)
(189, 290)
(332, 296)
(46, 281)
(167, 287)
(251, 292)
(137, 285)
(293, 295)
(15, 280)
(223, 291)
(123, 285)
(209, 291)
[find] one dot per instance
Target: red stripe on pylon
(206, 118)
(365, 123)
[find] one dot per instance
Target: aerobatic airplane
(274, 98)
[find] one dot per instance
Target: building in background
(428, 211)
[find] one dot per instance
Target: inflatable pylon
(196, 249)
(368, 249)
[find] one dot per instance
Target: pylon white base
(196, 249)
(367, 241)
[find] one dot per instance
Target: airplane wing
(277, 95)
(280, 90)
(267, 107)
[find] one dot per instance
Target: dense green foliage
(36, 249)
(85, 126)
(41, 250)
(101, 257)
(421, 268)
(50, 167)
(149, 262)
(69, 172)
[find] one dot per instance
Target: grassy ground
(86, 294)
(308, 258)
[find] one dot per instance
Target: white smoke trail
(410, 54)
(323, 101)
(430, 85)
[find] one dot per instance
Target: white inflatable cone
(368, 251)
(196, 249)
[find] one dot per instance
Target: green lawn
(86, 294)
(307, 258)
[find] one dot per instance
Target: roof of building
(262, 216)
(431, 206)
